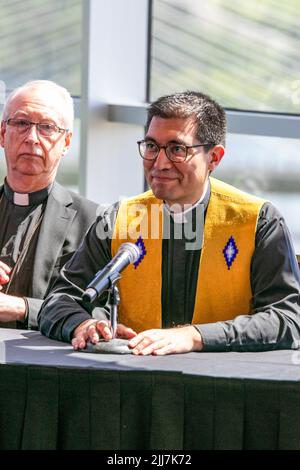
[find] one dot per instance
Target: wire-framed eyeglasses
(177, 153)
(46, 129)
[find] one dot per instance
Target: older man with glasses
(217, 270)
(42, 223)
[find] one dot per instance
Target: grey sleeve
(274, 322)
(63, 310)
(33, 308)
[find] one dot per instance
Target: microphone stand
(115, 345)
(113, 302)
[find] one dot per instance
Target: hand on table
(94, 330)
(169, 341)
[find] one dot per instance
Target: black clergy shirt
(19, 231)
(275, 281)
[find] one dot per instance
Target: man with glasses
(42, 223)
(217, 270)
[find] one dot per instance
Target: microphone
(126, 254)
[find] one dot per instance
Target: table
(52, 397)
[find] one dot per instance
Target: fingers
(125, 332)
(104, 328)
(164, 350)
(157, 348)
(5, 267)
(147, 342)
(4, 273)
(169, 341)
(79, 341)
(157, 342)
(93, 330)
(4, 278)
(90, 330)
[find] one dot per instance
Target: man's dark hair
(209, 115)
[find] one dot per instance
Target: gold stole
(223, 288)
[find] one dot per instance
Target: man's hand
(12, 308)
(92, 330)
(4, 274)
(170, 341)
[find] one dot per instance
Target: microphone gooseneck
(128, 253)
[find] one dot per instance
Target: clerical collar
(180, 217)
(26, 199)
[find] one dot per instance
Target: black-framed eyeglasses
(45, 129)
(177, 153)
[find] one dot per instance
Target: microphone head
(133, 251)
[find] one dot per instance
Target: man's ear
(2, 133)
(216, 154)
(68, 139)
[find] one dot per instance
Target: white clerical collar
(179, 216)
(26, 199)
(21, 199)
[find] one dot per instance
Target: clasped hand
(4, 274)
(12, 308)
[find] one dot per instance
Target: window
(269, 168)
(42, 40)
(244, 54)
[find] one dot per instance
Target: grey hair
(67, 110)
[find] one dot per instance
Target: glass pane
(68, 171)
(268, 167)
(243, 53)
(41, 40)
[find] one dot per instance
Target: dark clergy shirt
(19, 230)
(273, 324)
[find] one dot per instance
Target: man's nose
(32, 134)
(162, 160)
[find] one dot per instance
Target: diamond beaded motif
(141, 245)
(230, 251)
